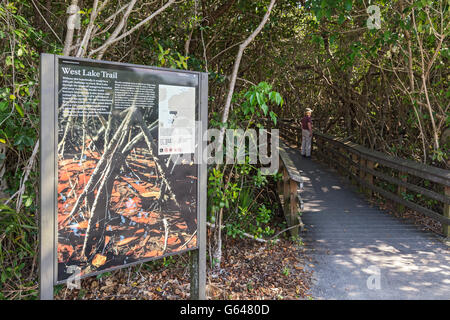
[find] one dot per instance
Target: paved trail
(361, 252)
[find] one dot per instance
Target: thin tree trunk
(218, 250)
(70, 29)
(112, 40)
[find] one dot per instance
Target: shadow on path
(362, 252)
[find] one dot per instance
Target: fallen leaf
(98, 260)
(126, 241)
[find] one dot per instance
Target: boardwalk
(353, 244)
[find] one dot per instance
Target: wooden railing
(288, 190)
(289, 186)
(362, 166)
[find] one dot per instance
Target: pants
(306, 143)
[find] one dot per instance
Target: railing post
(328, 158)
(446, 228)
(369, 177)
(286, 196)
(335, 154)
(293, 207)
(401, 190)
(343, 162)
(354, 168)
(362, 165)
(280, 182)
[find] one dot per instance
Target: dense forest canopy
(375, 72)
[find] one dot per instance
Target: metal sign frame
(49, 175)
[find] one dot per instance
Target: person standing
(306, 133)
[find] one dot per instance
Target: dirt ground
(250, 270)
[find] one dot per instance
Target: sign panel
(176, 119)
(123, 196)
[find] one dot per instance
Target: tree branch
(112, 40)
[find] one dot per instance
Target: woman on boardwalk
(306, 133)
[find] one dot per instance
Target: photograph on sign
(176, 119)
(122, 197)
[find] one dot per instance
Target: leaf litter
(250, 271)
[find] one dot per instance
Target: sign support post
(47, 168)
(198, 257)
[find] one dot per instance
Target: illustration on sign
(122, 197)
(176, 119)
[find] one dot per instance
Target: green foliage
(103, 275)
(19, 123)
(172, 59)
(319, 54)
(257, 100)
(236, 191)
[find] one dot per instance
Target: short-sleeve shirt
(305, 121)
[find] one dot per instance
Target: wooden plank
(280, 182)
(397, 199)
(286, 197)
(431, 173)
(367, 158)
(293, 210)
(355, 166)
(409, 204)
(426, 192)
(369, 177)
(343, 158)
(292, 170)
(401, 190)
(362, 172)
(288, 192)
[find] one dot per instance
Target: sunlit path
(361, 252)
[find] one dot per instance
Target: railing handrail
(292, 170)
(421, 170)
(358, 158)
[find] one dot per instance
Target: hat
(308, 110)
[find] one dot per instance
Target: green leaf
(260, 98)
(3, 105)
(28, 202)
(264, 85)
(253, 99)
(273, 116)
(278, 99)
(348, 5)
(272, 96)
(19, 110)
(265, 108)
